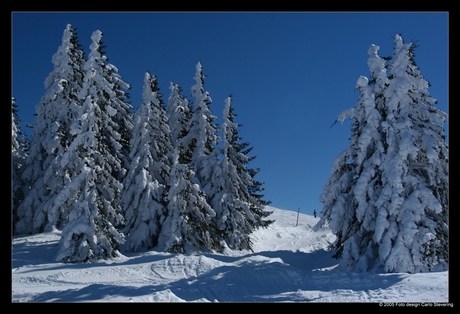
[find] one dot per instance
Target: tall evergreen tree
(387, 198)
(202, 139)
(238, 212)
(179, 113)
(97, 159)
(189, 224)
(147, 182)
(19, 151)
(417, 154)
(44, 174)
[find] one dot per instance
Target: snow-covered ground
(290, 263)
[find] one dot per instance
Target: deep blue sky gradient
(291, 74)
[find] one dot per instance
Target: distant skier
(314, 213)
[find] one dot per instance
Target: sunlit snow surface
(290, 263)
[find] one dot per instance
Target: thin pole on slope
(298, 211)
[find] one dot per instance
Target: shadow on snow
(258, 277)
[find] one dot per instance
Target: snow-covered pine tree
(387, 198)
(104, 84)
(19, 151)
(355, 173)
(238, 212)
(179, 113)
(147, 182)
(202, 138)
(97, 159)
(414, 235)
(45, 177)
(189, 225)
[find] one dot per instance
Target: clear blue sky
(291, 74)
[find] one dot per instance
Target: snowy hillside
(290, 263)
(291, 233)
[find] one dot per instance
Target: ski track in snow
(289, 265)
